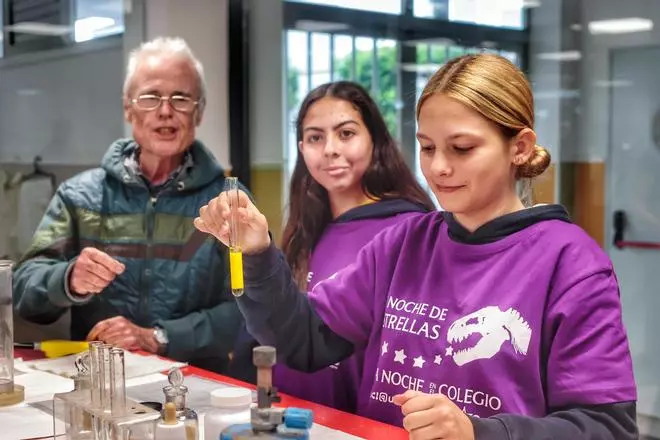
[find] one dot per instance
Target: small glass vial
(229, 406)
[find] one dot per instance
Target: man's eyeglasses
(179, 103)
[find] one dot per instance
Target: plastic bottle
(230, 406)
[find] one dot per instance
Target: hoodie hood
(505, 225)
(205, 167)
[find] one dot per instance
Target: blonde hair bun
(538, 162)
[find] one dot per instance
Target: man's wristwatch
(160, 335)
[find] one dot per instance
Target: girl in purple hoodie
(493, 320)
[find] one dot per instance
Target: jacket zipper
(147, 273)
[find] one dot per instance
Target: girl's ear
(522, 146)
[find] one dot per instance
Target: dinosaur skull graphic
(493, 327)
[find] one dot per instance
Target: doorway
(633, 182)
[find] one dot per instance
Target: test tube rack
(97, 408)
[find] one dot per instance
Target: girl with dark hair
(348, 167)
(350, 182)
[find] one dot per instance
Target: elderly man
(117, 245)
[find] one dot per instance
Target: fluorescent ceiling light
(613, 83)
(320, 26)
(569, 55)
(36, 28)
(620, 26)
(531, 3)
(556, 94)
(88, 28)
(95, 22)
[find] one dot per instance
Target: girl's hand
(215, 217)
(432, 417)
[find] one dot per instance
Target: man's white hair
(164, 46)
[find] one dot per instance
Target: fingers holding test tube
(251, 233)
(237, 223)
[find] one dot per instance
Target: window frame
(68, 11)
(10, 48)
(405, 28)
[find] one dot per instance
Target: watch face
(161, 336)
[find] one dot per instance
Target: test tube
(95, 372)
(106, 391)
(235, 251)
(6, 329)
(117, 381)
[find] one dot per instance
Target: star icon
(384, 349)
(419, 362)
(449, 351)
(438, 359)
(399, 356)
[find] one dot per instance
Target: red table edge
(323, 415)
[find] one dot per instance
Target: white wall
(204, 26)
(545, 76)
(267, 83)
(64, 105)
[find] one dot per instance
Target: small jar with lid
(229, 406)
(178, 422)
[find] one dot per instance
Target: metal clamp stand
(268, 422)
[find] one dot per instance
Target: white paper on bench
(136, 365)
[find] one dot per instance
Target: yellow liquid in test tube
(235, 253)
(236, 271)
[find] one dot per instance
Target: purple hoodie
(336, 386)
(520, 325)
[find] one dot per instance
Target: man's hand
(93, 271)
(433, 416)
(121, 332)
